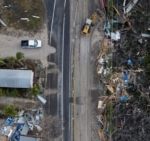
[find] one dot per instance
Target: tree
(10, 61)
(35, 90)
(19, 56)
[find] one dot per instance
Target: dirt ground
(25, 14)
(10, 44)
(11, 12)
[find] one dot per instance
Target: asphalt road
(83, 109)
(58, 26)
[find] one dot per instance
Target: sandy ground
(10, 44)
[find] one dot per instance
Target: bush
(35, 90)
(19, 56)
(10, 110)
(1, 92)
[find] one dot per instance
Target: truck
(91, 21)
(31, 43)
(87, 26)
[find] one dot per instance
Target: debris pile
(103, 59)
(25, 125)
(123, 64)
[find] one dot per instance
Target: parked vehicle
(91, 21)
(87, 26)
(31, 43)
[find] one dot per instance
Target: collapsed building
(24, 127)
(123, 65)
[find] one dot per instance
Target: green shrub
(35, 90)
(19, 56)
(10, 110)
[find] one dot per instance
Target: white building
(16, 78)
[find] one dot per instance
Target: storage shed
(10, 78)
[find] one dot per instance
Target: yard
(22, 14)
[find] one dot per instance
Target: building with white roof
(10, 78)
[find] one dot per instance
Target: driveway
(10, 45)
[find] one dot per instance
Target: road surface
(58, 25)
(83, 117)
(75, 73)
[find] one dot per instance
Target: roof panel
(16, 78)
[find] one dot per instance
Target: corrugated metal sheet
(16, 78)
(25, 138)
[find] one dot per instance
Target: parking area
(10, 45)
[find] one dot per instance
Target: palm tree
(10, 62)
(19, 59)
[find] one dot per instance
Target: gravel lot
(10, 44)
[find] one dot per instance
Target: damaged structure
(24, 127)
(123, 65)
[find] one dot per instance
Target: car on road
(31, 43)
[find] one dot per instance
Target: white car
(31, 43)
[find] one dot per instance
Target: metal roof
(16, 78)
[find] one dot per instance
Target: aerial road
(58, 19)
(76, 126)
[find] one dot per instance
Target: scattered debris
(123, 113)
(130, 6)
(2, 22)
(24, 124)
(25, 19)
(37, 17)
(41, 99)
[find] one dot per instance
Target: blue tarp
(125, 76)
(124, 98)
(129, 62)
(9, 121)
(17, 133)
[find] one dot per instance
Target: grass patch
(109, 117)
(13, 10)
